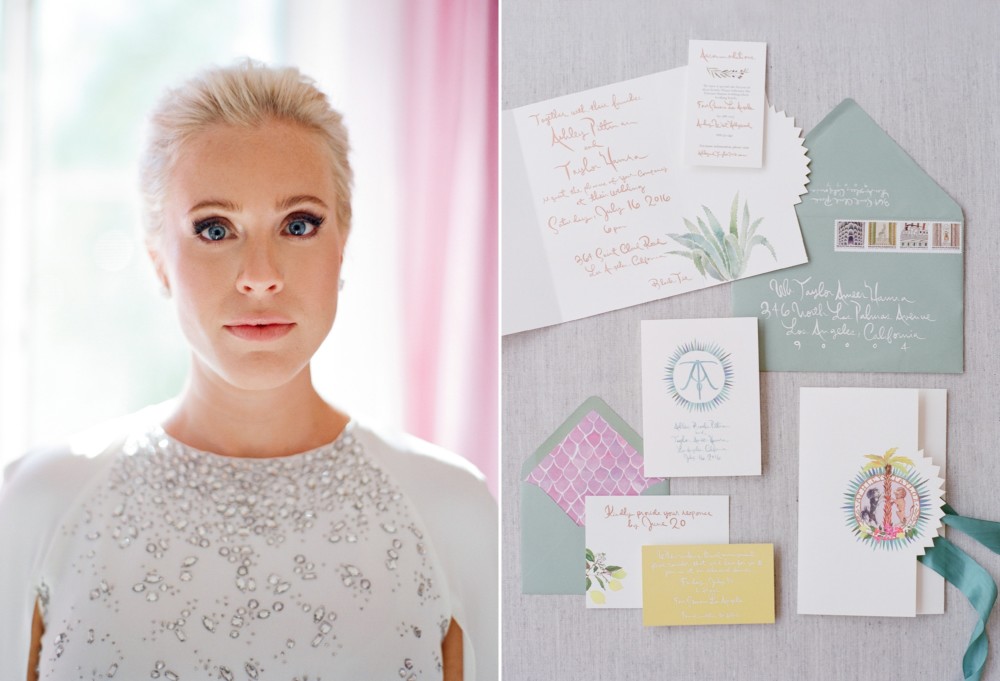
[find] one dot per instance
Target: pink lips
(262, 329)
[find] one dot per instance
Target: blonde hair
(247, 94)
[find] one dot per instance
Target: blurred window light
(86, 335)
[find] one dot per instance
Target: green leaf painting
(608, 577)
(719, 253)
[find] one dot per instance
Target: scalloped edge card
(871, 486)
(600, 210)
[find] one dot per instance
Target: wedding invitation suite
(618, 527)
(871, 469)
(690, 585)
(701, 397)
(725, 104)
(600, 210)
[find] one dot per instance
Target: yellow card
(708, 584)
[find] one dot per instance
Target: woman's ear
(161, 272)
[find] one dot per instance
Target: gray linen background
(929, 74)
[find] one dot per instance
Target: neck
(218, 417)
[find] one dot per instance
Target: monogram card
(701, 397)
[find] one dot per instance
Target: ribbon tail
(986, 532)
(959, 568)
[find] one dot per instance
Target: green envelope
(883, 288)
(593, 451)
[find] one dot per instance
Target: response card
(731, 584)
(701, 397)
(618, 527)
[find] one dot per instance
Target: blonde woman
(250, 530)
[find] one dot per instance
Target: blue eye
(299, 228)
(215, 233)
(304, 226)
(211, 231)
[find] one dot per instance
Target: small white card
(725, 104)
(871, 469)
(700, 397)
(619, 526)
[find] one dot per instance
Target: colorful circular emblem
(886, 503)
(699, 376)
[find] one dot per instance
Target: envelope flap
(593, 453)
(590, 404)
(858, 171)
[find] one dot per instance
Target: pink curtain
(449, 232)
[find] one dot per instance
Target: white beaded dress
(169, 563)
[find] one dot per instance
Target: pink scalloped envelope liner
(593, 459)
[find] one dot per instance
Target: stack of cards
(871, 463)
(609, 211)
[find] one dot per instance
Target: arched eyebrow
(215, 203)
(287, 203)
(284, 204)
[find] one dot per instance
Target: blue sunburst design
(699, 376)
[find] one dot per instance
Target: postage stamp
(850, 234)
(881, 234)
(897, 236)
(914, 236)
(947, 236)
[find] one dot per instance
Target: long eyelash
(315, 220)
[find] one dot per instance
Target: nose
(259, 274)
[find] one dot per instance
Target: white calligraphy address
(811, 309)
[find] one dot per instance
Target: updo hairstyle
(248, 94)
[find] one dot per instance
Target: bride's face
(250, 250)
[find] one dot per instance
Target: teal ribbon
(959, 568)
(986, 532)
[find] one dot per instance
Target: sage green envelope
(593, 440)
(887, 305)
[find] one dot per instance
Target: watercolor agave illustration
(716, 252)
(606, 576)
(886, 462)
